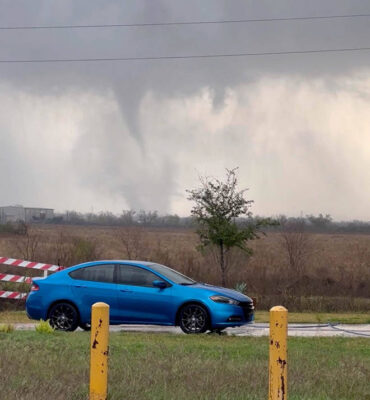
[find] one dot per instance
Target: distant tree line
(322, 223)
(126, 218)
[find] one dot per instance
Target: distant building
(25, 214)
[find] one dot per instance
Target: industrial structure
(26, 214)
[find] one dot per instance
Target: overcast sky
(136, 134)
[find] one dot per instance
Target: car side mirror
(160, 284)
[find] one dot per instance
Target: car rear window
(96, 273)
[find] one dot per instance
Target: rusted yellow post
(99, 351)
(278, 366)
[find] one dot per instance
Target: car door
(93, 284)
(138, 300)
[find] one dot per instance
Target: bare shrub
(297, 244)
(355, 270)
(59, 250)
(134, 242)
(83, 250)
(264, 273)
(27, 245)
(17, 228)
(67, 250)
(190, 264)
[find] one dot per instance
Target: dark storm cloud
(131, 79)
(127, 83)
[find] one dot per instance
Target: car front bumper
(224, 315)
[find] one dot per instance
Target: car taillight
(34, 287)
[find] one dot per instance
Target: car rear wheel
(194, 319)
(63, 317)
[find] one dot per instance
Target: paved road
(255, 329)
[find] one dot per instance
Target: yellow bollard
(99, 351)
(278, 366)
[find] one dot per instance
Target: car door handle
(80, 286)
(125, 290)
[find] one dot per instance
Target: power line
(233, 21)
(146, 58)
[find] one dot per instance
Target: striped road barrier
(5, 294)
(30, 264)
(12, 295)
(15, 278)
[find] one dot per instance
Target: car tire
(85, 327)
(218, 331)
(194, 318)
(63, 317)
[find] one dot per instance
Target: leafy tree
(218, 205)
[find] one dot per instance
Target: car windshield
(172, 275)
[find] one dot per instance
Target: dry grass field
(311, 272)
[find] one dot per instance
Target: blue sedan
(137, 293)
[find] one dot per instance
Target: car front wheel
(63, 317)
(194, 319)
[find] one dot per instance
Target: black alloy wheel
(194, 319)
(63, 317)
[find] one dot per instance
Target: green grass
(44, 327)
(161, 367)
(313, 317)
(6, 328)
(13, 317)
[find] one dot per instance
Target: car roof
(129, 262)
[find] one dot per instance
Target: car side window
(135, 276)
(95, 273)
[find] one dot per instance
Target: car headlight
(225, 300)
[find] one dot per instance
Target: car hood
(222, 291)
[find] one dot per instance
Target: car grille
(248, 308)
